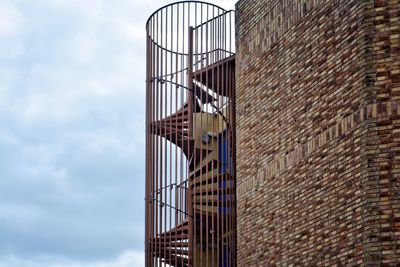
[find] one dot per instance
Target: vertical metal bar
(195, 219)
(219, 74)
(151, 178)
(153, 145)
(164, 141)
(157, 165)
(208, 184)
(161, 140)
(214, 215)
(148, 77)
(226, 195)
(190, 133)
(168, 150)
(221, 88)
(233, 123)
(228, 151)
(184, 143)
(231, 177)
(148, 204)
(181, 176)
(178, 200)
(175, 156)
(162, 155)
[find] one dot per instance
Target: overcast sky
(72, 131)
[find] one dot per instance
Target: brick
(318, 146)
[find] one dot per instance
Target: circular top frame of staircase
(168, 26)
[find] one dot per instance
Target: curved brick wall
(318, 132)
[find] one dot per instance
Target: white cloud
(11, 20)
(14, 213)
(11, 48)
(6, 137)
(97, 87)
(127, 259)
(130, 30)
(84, 48)
(72, 131)
(11, 27)
(91, 8)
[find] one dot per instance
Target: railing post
(190, 96)
(148, 154)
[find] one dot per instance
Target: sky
(72, 132)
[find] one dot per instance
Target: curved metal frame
(190, 136)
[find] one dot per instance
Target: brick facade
(318, 132)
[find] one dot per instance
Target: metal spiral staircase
(190, 137)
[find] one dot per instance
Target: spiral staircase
(200, 228)
(207, 147)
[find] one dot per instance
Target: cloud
(11, 26)
(92, 8)
(126, 259)
(72, 132)
(11, 20)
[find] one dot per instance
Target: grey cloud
(72, 133)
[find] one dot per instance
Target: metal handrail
(208, 21)
(181, 2)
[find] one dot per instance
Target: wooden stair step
(213, 199)
(221, 186)
(220, 69)
(203, 95)
(173, 259)
(172, 237)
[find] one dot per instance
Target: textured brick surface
(318, 132)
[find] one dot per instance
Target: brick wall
(318, 132)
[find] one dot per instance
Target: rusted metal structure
(190, 136)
